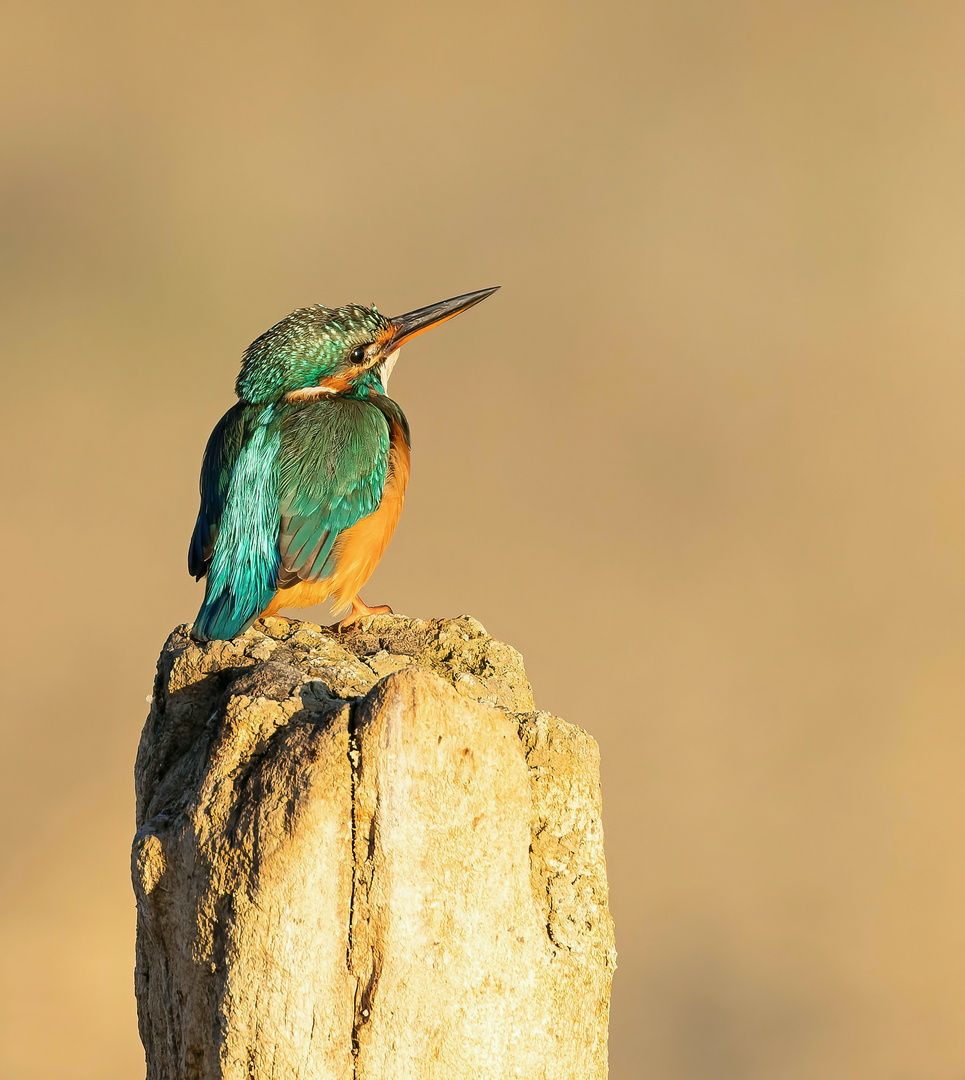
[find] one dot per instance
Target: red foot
(361, 611)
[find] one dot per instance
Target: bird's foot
(361, 611)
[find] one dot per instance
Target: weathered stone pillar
(366, 856)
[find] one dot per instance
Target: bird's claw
(361, 611)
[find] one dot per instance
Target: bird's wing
(332, 467)
(220, 456)
(235, 542)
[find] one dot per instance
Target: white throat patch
(386, 370)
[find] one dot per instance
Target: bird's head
(318, 352)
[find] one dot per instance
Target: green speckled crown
(306, 346)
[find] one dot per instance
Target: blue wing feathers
(278, 486)
(220, 455)
(332, 472)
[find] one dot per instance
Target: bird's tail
(221, 617)
(238, 587)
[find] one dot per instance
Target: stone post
(366, 856)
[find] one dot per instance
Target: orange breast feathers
(359, 548)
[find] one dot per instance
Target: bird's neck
(361, 389)
(367, 385)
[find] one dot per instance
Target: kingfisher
(303, 480)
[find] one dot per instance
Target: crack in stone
(355, 760)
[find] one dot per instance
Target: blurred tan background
(701, 460)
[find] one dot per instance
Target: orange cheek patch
(336, 383)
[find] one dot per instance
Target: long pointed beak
(417, 322)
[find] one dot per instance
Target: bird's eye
(357, 356)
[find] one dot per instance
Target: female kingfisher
(303, 480)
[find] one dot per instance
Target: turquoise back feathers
(235, 537)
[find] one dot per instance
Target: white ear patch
(309, 393)
(386, 370)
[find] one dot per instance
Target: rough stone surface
(366, 855)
